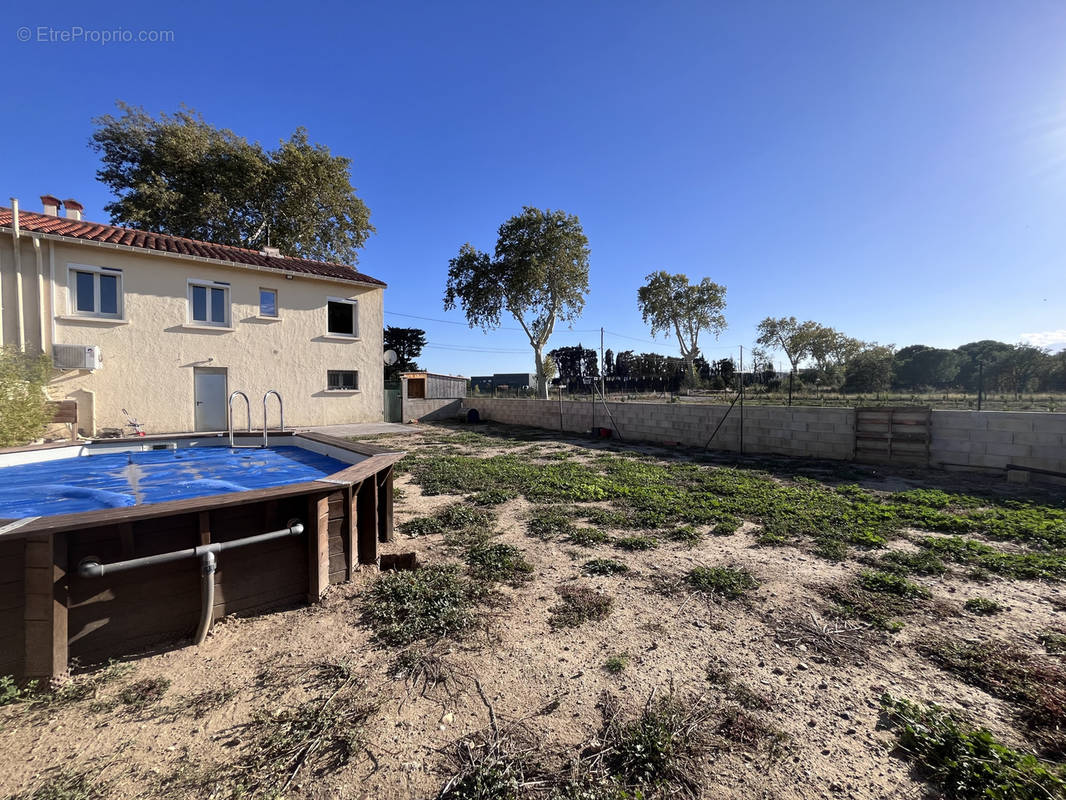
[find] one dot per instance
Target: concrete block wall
(993, 439)
(966, 439)
(797, 431)
(418, 409)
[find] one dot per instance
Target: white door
(210, 396)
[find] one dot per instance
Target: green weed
(1054, 642)
(983, 606)
(587, 537)
(635, 542)
(727, 582)
(427, 603)
(965, 763)
(616, 663)
(498, 563)
(604, 566)
(143, 693)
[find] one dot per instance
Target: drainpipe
(15, 238)
(52, 288)
(206, 553)
(40, 290)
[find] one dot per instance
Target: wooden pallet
(893, 435)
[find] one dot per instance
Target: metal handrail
(281, 413)
(248, 407)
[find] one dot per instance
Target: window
(268, 302)
(209, 303)
(342, 380)
(343, 317)
(96, 291)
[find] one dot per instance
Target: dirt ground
(823, 677)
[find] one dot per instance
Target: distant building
(486, 384)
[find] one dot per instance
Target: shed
(427, 395)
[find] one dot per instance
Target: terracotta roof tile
(146, 240)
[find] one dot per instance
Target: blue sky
(895, 170)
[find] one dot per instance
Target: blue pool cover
(115, 480)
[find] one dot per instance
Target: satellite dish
(391, 357)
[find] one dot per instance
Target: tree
(539, 274)
(869, 370)
(791, 338)
(551, 371)
(919, 366)
(408, 344)
(625, 364)
(608, 362)
(575, 363)
(182, 176)
(671, 305)
(23, 403)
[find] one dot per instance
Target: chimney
(51, 205)
(73, 208)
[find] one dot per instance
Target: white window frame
(208, 284)
(277, 308)
(72, 290)
(355, 317)
(355, 371)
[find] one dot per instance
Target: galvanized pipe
(207, 553)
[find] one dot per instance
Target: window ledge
(190, 326)
(341, 337)
(261, 318)
(344, 391)
(105, 321)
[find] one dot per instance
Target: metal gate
(889, 435)
(393, 408)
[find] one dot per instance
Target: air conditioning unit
(76, 356)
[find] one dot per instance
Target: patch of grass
(577, 605)
(66, 784)
(1045, 565)
(923, 562)
(11, 692)
(1036, 685)
(588, 537)
(604, 566)
(635, 543)
(727, 525)
(728, 582)
(431, 602)
(461, 523)
(686, 534)
(983, 606)
(550, 522)
(1054, 642)
(965, 763)
(143, 693)
(493, 497)
(891, 583)
(316, 735)
(737, 691)
(498, 563)
(616, 663)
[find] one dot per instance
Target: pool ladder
(248, 408)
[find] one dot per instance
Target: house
(430, 395)
(168, 327)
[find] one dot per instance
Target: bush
(984, 606)
(24, 411)
(427, 603)
(578, 605)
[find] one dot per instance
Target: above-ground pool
(118, 480)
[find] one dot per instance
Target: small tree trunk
(542, 380)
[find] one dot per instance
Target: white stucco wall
(149, 357)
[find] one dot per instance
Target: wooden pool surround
(51, 616)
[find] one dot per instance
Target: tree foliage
(576, 362)
(869, 370)
(673, 306)
(539, 274)
(179, 175)
(24, 411)
(408, 344)
(789, 336)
